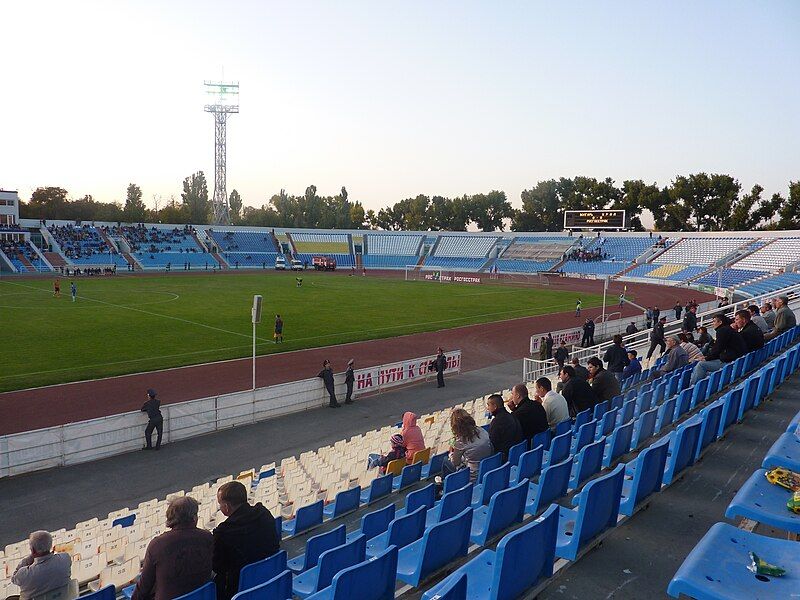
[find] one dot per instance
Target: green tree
(540, 209)
(704, 202)
(358, 219)
(135, 211)
(637, 196)
(46, 203)
(489, 211)
(789, 209)
(195, 198)
(235, 207)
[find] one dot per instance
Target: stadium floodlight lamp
(222, 96)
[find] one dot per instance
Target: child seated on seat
(398, 451)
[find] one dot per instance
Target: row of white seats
(465, 245)
(320, 237)
(700, 251)
(393, 245)
(771, 257)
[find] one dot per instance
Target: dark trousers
(332, 395)
(440, 378)
(349, 397)
(653, 345)
(148, 432)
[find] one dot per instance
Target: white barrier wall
(89, 440)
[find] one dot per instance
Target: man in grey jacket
(43, 570)
(784, 318)
(676, 357)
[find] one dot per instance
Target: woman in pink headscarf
(412, 436)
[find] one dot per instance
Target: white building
(9, 208)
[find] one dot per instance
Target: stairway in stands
(55, 259)
(218, 257)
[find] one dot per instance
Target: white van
(280, 263)
(297, 265)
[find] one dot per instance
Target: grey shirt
(769, 317)
(42, 574)
(760, 322)
(471, 453)
(676, 358)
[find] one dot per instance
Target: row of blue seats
(518, 265)
(593, 267)
(342, 260)
(770, 284)
(716, 567)
(383, 261)
(243, 241)
(454, 262)
(729, 277)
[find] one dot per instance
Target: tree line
(696, 202)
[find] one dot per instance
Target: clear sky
(392, 99)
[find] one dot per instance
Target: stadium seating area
(464, 246)
(772, 256)
(729, 277)
(700, 251)
(157, 248)
(83, 245)
(592, 268)
(454, 262)
(322, 243)
(770, 284)
(517, 265)
(248, 242)
(625, 249)
(13, 249)
(385, 251)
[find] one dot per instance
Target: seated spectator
(381, 460)
(753, 336)
(580, 371)
(577, 391)
(412, 436)
(531, 415)
(504, 430)
(634, 365)
(604, 384)
(784, 318)
(728, 346)
(178, 561)
(768, 314)
(692, 351)
(616, 358)
(677, 357)
(704, 340)
(755, 317)
(42, 570)
(471, 445)
(247, 534)
(555, 405)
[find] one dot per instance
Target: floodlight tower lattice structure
(224, 101)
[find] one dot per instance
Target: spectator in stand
(412, 435)
(180, 560)
(349, 380)
(633, 367)
(649, 317)
(43, 570)
(543, 349)
(704, 340)
(693, 352)
(631, 329)
(504, 430)
(768, 314)
(471, 444)
(588, 333)
(604, 384)
(561, 354)
(656, 313)
(531, 415)
(678, 310)
(657, 338)
(549, 344)
(155, 420)
(555, 405)
(755, 317)
(577, 391)
(246, 535)
(580, 371)
(784, 318)
(397, 452)
(616, 358)
(728, 346)
(690, 319)
(440, 365)
(677, 357)
(753, 337)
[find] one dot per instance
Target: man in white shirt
(44, 570)
(555, 405)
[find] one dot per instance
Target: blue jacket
(632, 369)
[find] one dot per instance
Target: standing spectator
(42, 570)
(649, 317)
(616, 358)
(178, 561)
(677, 357)
(590, 329)
(753, 337)
(561, 354)
(634, 366)
(755, 317)
(549, 342)
(728, 346)
(768, 314)
(784, 318)
(504, 430)
(440, 365)
(690, 319)
(578, 308)
(531, 415)
(73, 290)
(155, 420)
(656, 314)
(246, 535)
(412, 435)
(554, 404)
(631, 329)
(604, 384)
(580, 370)
(470, 446)
(588, 333)
(678, 310)
(327, 378)
(349, 379)
(694, 353)
(543, 349)
(577, 391)
(657, 338)
(278, 335)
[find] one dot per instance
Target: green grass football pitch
(132, 324)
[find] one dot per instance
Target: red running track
(481, 345)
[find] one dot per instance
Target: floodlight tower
(224, 97)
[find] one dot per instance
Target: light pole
(605, 289)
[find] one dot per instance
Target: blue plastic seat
(666, 412)
(529, 466)
(494, 481)
(626, 412)
(410, 475)
(422, 497)
(374, 523)
(559, 449)
(749, 391)
(402, 531)
(457, 480)
(588, 462)
(643, 402)
(658, 393)
(434, 466)
(682, 403)
(204, 592)
(455, 589)
(682, 448)
(562, 427)
(585, 436)
(711, 416)
(262, 571)
(490, 463)
(522, 559)
(306, 517)
(618, 444)
(374, 579)
(125, 521)
(506, 508)
(713, 382)
(450, 505)
(598, 510)
(380, 487)
(794, 424)
(716, 568)
(552, 485)
(330, 563)
(730, 410)
(440, 545)
(315, 546)
(581, 419)
(643, 476)
(606, 424)
(543, 439)
(644, 427)
(108, 592)
(599, 410)
(276, 588)
(345, 502)
(785, 452)
(764, 502)
(516, 451)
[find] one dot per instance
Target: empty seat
(516, 451)
(277, 588)
(402, 531)
(262, 571)
(785, 452)
(345, 502)
(643, 476)
(374, 579)
(559, 449)
(490, 463)
(494, 481)
(618, 444)
(330, 563)
(315, 546)
(506, 508)
(588, 462)
(434, 466)
(455, 589)
(306, 517)
(711, 416)
(408, 476)
(457, 480)
(682, 448)
(374, 523)
(552, 485)
(764, 502)
(450, 505)
(380, 487)
(585, 436)
(529, 465)
(644, 428)
(423, 497)
(205, 592)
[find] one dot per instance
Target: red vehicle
(323, 263)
